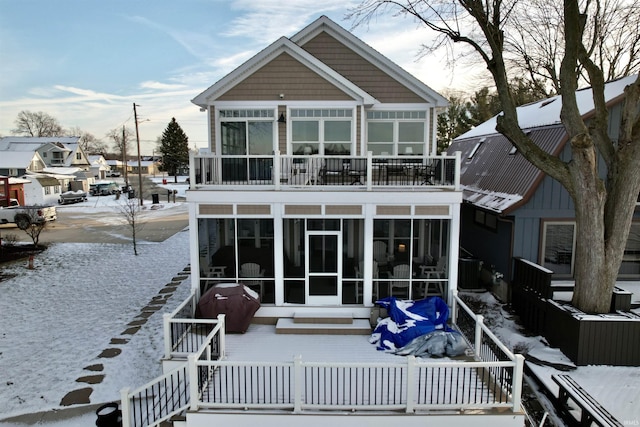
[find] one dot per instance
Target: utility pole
(135, 116)
(124, 158)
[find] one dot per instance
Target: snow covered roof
(16, 159)
(62, 170)
(547, 111)
(498, 178)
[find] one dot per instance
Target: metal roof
(494, 175)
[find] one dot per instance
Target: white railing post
(516, 386)
(124, 407)
(166, 325)
(192, 169)
(454, 306)
(411, 375)
(275, 173)
(456, 179)
(478, 338)
(222, 334)
(369, 170)
(192, 370)
(297, 384)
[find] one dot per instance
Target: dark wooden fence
(605, 339)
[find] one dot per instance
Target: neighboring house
(12, 188)
(322, 192)
(54, 151)
(99, 167)
(148, 167)
(116, 166)
(512, 209)
(42, 190)
(17, 163)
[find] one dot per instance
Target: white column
(278, 252)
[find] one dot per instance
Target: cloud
(161, 86)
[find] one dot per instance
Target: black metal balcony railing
(286, 171)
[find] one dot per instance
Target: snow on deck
(261, 343)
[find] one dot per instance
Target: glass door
(323, 265)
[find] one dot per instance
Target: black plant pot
(109, 415)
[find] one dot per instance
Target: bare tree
(88, 142)
(37, 124)
(122, 139)
(130, 209)
(603, 207)
(33, 225)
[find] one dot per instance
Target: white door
(323, 262)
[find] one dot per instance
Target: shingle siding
(284, 75)
(358, 70)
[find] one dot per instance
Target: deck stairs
(309, 323)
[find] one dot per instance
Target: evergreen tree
(455, 121)
(174, 147)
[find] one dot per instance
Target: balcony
(296, 172)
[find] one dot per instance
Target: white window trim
(426, 148)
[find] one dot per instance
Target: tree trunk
(594, 277)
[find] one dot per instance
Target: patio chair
(252, 270)
(333, 168)
(357, 169)
(438, 271)
(399, 287)
(380, 254)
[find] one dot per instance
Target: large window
(321, 131)
(246, 133)
(396, 132)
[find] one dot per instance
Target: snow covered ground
(56, 319)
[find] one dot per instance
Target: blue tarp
(412, 325)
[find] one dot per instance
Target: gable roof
(293, 48)
(324, 24)
(493, 175)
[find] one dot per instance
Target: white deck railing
(280, 171)
(492, 381)
(168, 395)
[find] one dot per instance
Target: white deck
(261, 343)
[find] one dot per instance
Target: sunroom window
(396, 132)
(321, 131)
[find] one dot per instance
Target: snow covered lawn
(57, 318)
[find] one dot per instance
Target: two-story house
(322, 192)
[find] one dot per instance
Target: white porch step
(311, 317)
(356, 327)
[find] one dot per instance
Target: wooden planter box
(605, 339)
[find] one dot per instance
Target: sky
(87, 62)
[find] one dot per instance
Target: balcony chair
(333, 168)
(252, 270)
(357, 169)
(399, 287)
(438, 271)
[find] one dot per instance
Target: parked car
(104, 188)
(114, 174)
